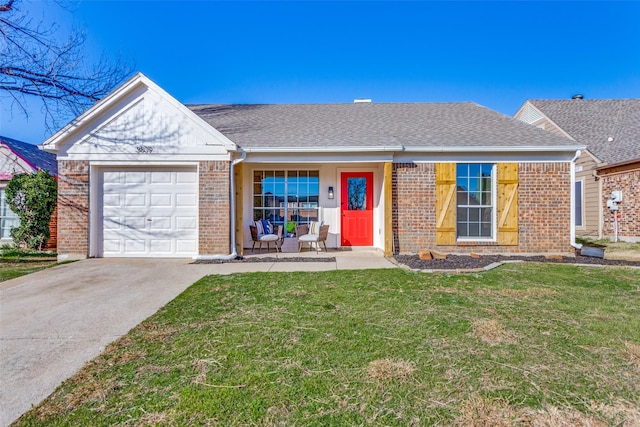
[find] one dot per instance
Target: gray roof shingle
(32, 154)
(593, 121)
(372, 125)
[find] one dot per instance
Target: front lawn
(523, 344)
(15, 263)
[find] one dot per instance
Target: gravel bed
(454, 262)
(265, 259)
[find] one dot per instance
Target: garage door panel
(186, 200)
(161, 178)
(112, 177)
(112, 200)
(185, 178)
(161, 223)
(112, 223)
(162, 200)
(135, 200)
(185, 246)
(135, 247)
(186, 223)
(147, 213)
(112, 246)
(161, 246)
(134, 177)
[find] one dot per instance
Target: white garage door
(150, 212)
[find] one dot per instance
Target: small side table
(289, 244)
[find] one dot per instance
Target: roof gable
(137, 114)
(610, 128)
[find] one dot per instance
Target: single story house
(142, 175)
(21, 157)
(609, 167)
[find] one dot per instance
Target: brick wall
(628, 210)
(414, 206)
(543, 211)
(214, 227)
(73, 208)
(52, 243)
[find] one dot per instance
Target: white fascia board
(495, 149)
(319, 157)
(138, 80)
(486, 157)
(150, 158)
(326, 149)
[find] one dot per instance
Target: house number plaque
(144, 149)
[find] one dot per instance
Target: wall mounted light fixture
(331, 192)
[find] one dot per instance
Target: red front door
(356, 208)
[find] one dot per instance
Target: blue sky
(497, 54)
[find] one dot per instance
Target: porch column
(388, 209)
(239, 195)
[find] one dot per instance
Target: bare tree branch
(36, 61)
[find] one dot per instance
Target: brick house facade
(143, 175)
(543, 214)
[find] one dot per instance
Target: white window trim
(494, 208)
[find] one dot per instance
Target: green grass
(522, 344)
(15, 263)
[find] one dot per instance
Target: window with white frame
(8, 219)
(475, 211)
(579, 203)
(286, 197)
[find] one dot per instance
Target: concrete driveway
(53, 321)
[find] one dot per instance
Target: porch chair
(312, 233)
(264, 231)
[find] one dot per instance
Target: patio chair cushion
(268, 238)
(314, 228)
(263, 227)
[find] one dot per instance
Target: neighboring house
(142, 175)
(21, 157)
(610, 129)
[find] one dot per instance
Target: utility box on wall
(616, 196)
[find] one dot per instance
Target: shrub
(33, 198)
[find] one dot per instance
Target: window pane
(475, 209)
(357, 194)
(578, 211)
(284, 196)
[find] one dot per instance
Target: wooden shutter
(507, 204)
(445, 203)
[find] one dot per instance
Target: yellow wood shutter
(445, 203)
(507, 204)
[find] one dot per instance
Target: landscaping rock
(425, 255)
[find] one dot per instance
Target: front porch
(353, 199)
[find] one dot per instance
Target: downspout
(232, 211)
(573, 202)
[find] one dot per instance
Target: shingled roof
(37, 158)
(610, 128)
(373, 125)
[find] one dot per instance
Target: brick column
(73, 209)
(214, 205)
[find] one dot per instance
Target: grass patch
(524, 344)
(10, 269)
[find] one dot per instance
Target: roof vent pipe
(577, 96)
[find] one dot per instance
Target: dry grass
(491, 332)
(632, 352)
(389, 369)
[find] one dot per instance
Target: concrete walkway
(55, 320)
